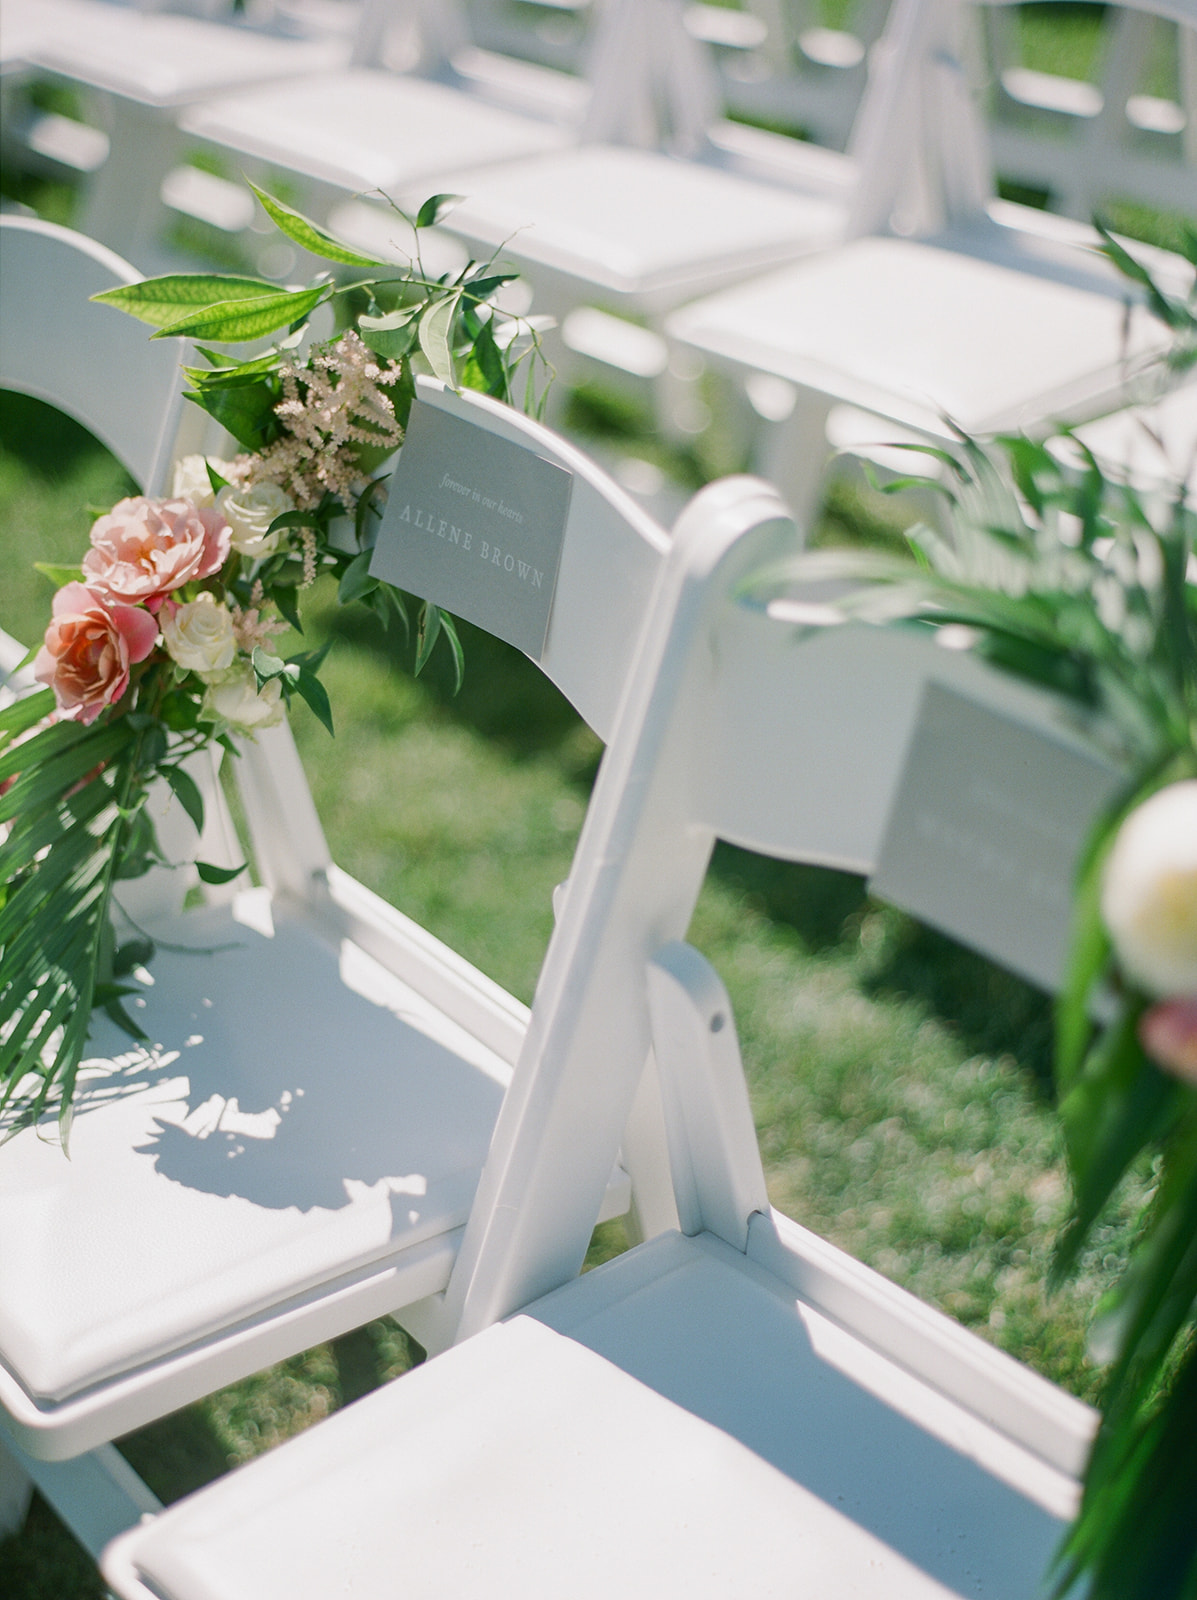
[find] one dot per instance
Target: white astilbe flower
(329, 407)
(251, 629)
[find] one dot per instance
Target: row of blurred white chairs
(642, 218)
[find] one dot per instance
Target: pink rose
(1168, 1033)
(91, 643)
(143, 549)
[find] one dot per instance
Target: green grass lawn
(899, 1083)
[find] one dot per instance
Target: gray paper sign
(475, 524)
(986, 830)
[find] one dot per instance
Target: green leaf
(25, 713)
(187, 792)
(308, 235)
(436, 327)
(230, 321)
(357, 580)
(161, 301)
(246, 411)
(58, 575)
(267, 666)
(215, 875)
(426, 634)
(484, 369)
(214, 478)
(483, 286)
(288, 607)
(436, 207)
(314, 692)
(449, 629)
(391, 336)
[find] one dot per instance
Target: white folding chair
(135, 68)
(298, 1152)
(780, 63)
(416, 98)
(1126, 132)
(995, 317)
(663, 200)
(736, 1407)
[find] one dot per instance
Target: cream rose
(249, 512)
(1149, 892)
(191, 480)
(235, 699)
(143, 549)
(199, 635)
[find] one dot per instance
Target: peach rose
(143, 549)
(91, 643)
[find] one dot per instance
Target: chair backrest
(651, 84)
(867, 749)
(929, 157)
(91, 362)
(778, 62)
(1126, 131)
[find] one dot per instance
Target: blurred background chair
(664, 199)
(994, 316)
(130, 69)
(416, 99)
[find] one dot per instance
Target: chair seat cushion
(163, 60)
(920, 331)
(300, 1113)
(368, 130)
(674, 1424)
(632, 221)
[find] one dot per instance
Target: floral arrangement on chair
(1075, 580)
(160, 643)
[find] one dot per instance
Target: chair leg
(16, 1491)
(97, 1495)
(792, 453)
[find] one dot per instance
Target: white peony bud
(236, 700)
(191, 480)
(249, 513)
(1149, 892)
(199, 635)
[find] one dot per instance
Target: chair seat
(923, 330)
(263, 1148)
(162, 60)
(1155, 446)
(369, 130)
(616, 1433)
(636, 222)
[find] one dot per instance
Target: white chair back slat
(611, 556)
(125, 389)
